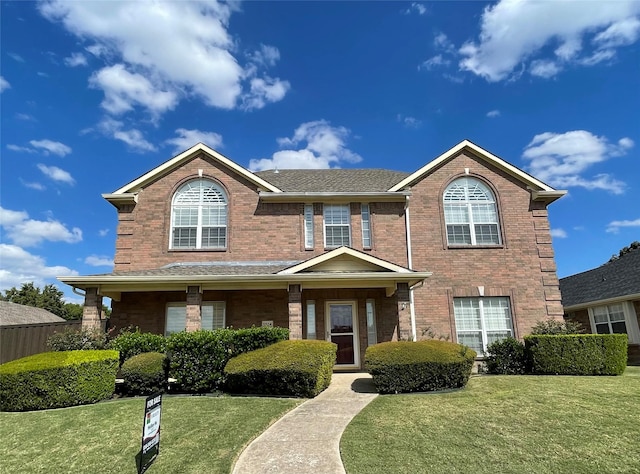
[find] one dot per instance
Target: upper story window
(470, 213)
(308, 226)
(365, 214)
(199, 216)
(337, 225)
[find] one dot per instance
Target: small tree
(552, 326)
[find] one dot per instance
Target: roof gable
(168, 166)
(539, 189)
(342, 260)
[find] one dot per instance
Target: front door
(342, 329)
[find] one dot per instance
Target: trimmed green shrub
(506, 357)
(144, 374)
(577, 354)
(253, 338)
(57, 379)
(297, 368)
(78, 340)
(131, 343)
(553, 326)
(421, 366)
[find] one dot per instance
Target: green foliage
(72, 311)
(577, 354)
(625, 250)
(197, 359)
(76, 340)
(57, 379)
(419, 366)
(553, 326)
(297, 368)
(506, 357)
(144, 374)
(130, 343)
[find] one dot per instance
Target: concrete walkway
(307, 439)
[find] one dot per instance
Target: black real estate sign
(150, 432)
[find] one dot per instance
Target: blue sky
(96, 93)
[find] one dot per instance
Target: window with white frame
(372, 333)
(199, 216)
(481, 321)
(311, 319)
(337, 225)
(609, 319)
(470, 213)
(308, 226)
(212, 314)
(365, 214)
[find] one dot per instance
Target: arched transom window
(199, 216)
(470, 213)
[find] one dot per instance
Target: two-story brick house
(459, 248)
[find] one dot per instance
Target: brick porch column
(92, 309)
(194, 302)
(295, 312)
(403, 329)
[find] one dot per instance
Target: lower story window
(481, 321)
(609, 319)
(212, 314)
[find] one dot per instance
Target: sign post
(150, 432)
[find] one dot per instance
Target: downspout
(410, 265)
(75, 290)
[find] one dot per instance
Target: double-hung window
(199, 216)
(365, 214)
(470, 213)
(481, 321)
(609, 319)
(308, 226)
(337, 225)
(212, 314)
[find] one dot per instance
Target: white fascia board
(482, 153)
(334, 197)
(174, 162)
(591, 304)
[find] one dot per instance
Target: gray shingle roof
(336, 180)
(12, 314)
(213, 268)
(618, 278)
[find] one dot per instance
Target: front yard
(505, 424)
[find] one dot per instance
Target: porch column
(403, 330)
(194, 302)
(92, 309)
(295, 312)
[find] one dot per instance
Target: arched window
(199, 216)
(470, 213)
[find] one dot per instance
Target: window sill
(199, 250)
(456, 247)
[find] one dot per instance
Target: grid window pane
(481, 321)
(487, 234)
(366, 226)
(337, 236)
(214, 237)
(619, 327)
(185, 216)
(472, 340)
(213, 315)
(602, 329)
(184, 237)
(484, 212)
(214, 215)
(459, 234)
(308, 226)
(176, 319)
(467, 312)
(337, 225)
(456, 213)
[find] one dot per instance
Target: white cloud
(409, 122)
(99, 261)
(76, 59)
(515, 32)
(20, 149)
(33, 185)
(266, 55)
(20, 266)
(50, 146)
(103, 232)
(16, 57)
(4, 84)
(264, 91)
(559, 233)
(133, 138)
(324, 146)
(56, 174)
(493, 113)
(614, 226)
(26, 117)
(27, 232)
(416, 7)
(182, 49)
(434, 62)
(544, 68)
(560, 159)
(187, 138)
(123, 90)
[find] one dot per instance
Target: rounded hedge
(144, 374)
(421, 366)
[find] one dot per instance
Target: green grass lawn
(503, 424)
(198, 435)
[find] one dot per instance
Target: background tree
(625, 250)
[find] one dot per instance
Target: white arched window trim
(471, 213)
(199, 216)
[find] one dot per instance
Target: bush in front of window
(253, 338)
(577, 354)
(78, 340)
(57, 379)
(144, 374)
(506, 357)
(296, 368)
(421, 366)
(133, 342)
(553, 326)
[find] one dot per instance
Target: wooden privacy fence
(27, 339)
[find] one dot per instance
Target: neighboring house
(13, 314)
(459, 248)
(607, 299)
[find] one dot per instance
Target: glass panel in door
(341, 331)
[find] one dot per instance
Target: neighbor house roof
(614, 280)
(13, 314)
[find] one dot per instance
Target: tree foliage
(625, 250)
